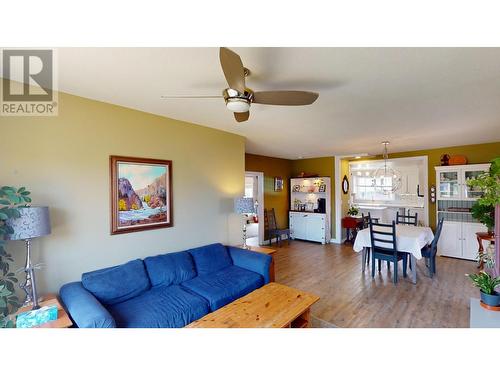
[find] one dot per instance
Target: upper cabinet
(451, 181)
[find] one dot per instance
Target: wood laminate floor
(350, 298)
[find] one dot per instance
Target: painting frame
(117, 226)
(278, 184)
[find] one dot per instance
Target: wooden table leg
(413, 262)
(480, 251)
(271, 269)
(363, 256)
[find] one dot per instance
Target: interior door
(469, 240)
(450, 243)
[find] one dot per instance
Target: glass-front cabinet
(452, 181)
(470, 192)
(449, 187)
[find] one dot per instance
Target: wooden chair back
(366, 220)
(407, 219)
(434, 242)
(383, 237)
(272, 220)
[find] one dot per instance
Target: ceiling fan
(239, 98)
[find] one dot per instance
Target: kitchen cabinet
(451, 181)
(309, 226)
(458, 239)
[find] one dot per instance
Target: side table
(268, 251)
(483, 236)
(63, 320)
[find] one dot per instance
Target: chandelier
(386, 180)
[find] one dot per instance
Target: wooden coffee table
(272, 306)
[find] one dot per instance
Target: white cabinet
(451, 181)
(470, 245)
(308, 226)
(458, 239)
(449, 243)
(310, 209)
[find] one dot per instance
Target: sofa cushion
(224, 286)
(168, 269)
(117, 284)
(210, 258)
(160, 307)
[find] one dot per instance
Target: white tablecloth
(409, 239)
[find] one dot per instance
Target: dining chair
(407, 219)
(273, 230)
(429, 251)
(365, 223)
(384, 247)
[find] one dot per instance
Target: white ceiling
(417, 98)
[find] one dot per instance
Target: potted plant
(353, 211)
(489, 183)
(10, 200)
(485, 214)
(487, 284)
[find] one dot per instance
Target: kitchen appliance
(321, 206)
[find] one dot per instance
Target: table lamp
(33, 222)
(244, 206)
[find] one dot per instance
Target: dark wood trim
(113, 161)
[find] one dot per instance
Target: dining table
(409, 239)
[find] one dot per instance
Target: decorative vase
(491, 299)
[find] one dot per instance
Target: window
(249, 187)
(364, 188)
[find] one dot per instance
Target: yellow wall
(324, 167)
(273, 167)
(63, 160)
(476, 154)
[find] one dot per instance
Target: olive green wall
(273, 167)
(476, 154)
(64, 161)
(324, 167)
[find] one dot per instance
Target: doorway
(254, 188)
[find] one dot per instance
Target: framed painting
(141, 194)
(278, 183)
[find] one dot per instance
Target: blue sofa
(169, 290)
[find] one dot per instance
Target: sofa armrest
(85, 310)
(252, 261)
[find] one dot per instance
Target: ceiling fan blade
(241, 116)
(233, 69)
(285, 97)
(192, 97)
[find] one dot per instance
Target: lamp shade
(244, 206)
(33, 222)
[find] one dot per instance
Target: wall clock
(345, 184)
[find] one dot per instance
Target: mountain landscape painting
(141, 194)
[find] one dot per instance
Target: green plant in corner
(10, 200)
(489, 183)
(485, 214)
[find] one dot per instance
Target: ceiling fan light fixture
(238, 105)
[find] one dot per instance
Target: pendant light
(386, 180)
